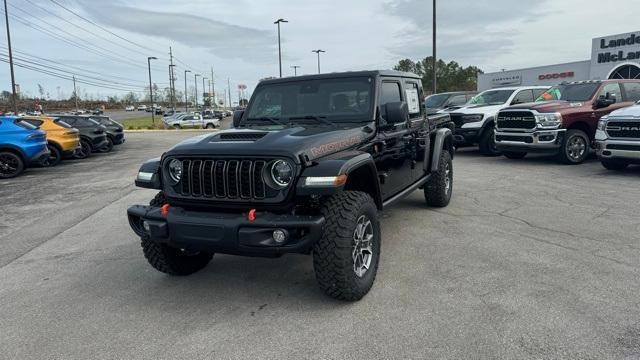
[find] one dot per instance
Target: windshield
(491, 97)
(570, 92)
(335, 100)
(436, 101)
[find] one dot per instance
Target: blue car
(21, 145)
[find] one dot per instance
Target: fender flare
(151, 166)
(15, 149)
(439, 143)
(341, 164)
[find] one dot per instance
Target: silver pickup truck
(618, 138)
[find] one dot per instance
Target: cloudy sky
(239, 40)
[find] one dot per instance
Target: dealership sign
(560, 75)
(620, 48)
(503, 80)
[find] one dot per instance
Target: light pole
(318, 52)
(195, 77)
(295, 69)
(204, 89)
(186, 94)
(277, 22)
(153, 110)
(435, 61)
(13, 77)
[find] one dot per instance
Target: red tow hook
(164, 209)
(251, 216)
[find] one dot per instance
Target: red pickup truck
(563, 120)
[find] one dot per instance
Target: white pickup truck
(475, 121)
(191, 121)
(618, 138)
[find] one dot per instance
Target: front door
(395, 148)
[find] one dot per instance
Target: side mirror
(605, 101)
(237, 116)
(396, 112)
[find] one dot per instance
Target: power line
(71, 42)
(49, 12)
(99, 26)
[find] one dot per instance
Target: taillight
(99, 131)
(36, 137)
(70, 133)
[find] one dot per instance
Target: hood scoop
(242, 136)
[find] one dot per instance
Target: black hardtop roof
(383, 73)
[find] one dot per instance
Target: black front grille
(623, 147)
(222, 178)
(516, 120)
(524, 139)
(623, 129)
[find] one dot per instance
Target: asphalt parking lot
(532, 260)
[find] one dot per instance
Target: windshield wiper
(266, 118)
(322, 119)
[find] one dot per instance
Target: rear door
(395, 155)
(418, 128)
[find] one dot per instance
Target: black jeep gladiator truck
(306, 169)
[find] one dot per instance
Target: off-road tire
(487, 143)
(209, 126)
(170, 260)
(54, 158)
(436, 191)
(514, 155)
(332, 254)
(563, 155)
(614, 164)
(15, 162)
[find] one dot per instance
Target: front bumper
(538, 141)
(228, 233)
(466, 135)
(40, 156)
(627, 150)
(118, 138)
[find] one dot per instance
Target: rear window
(26, 125)
(104, 120)
(62, 123)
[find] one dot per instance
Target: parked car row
(47, 140)
(569, 121)
(206, 119)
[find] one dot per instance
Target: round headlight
(175, 170)
(281, 173)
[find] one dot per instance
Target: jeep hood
(548, 106)
(310, 142)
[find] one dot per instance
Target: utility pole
(204, 89)
(295, 69)
(75, 93)
(186, 94)
(172, 80)
(212, 98)
(279, 46)
(213, 86)
(435, 61)
(172, 85)
(14, 96)
(195, 77)
(318, 52)
(229, 87)
(153, 110)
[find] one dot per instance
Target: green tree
(451, 76)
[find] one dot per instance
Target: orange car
(62, 139)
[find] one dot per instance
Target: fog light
(279, 236)
(146, 226)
